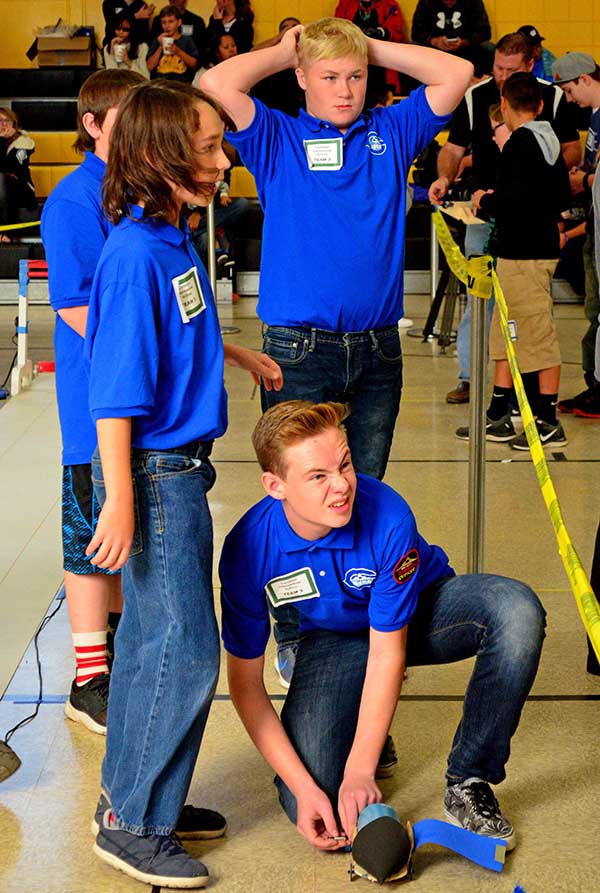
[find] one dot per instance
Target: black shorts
(80, 511)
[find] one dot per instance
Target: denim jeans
(592, 309)
(498, 620)
(226, 217)
(475, 240)
(167, 645)
(363, 369)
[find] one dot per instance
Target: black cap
(531, 32)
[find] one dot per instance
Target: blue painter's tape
(486, 851)
(22, 330)
(23, 276)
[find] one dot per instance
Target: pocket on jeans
(174, 463)
(285, 350)
(137, 545)
(389, 349)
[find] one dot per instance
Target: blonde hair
(292, 422)
(331, 39)
(495, 113)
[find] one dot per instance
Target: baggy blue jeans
(363, 369)
(476, 237)
(499, 621)
(167, 645)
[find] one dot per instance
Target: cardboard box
(75, 52)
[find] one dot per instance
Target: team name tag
(188, 292)
(324, 155)
(296, 586)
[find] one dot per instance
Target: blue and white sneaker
(194, 823)
(157, 860)
(284, 663)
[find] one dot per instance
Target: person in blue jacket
(157, 397)
(373, 596)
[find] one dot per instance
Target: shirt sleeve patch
(406, 567)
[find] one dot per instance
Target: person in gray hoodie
(531, 191)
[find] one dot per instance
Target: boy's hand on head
(289, 45)
(316, 821)
(358, 790)
(113, 537)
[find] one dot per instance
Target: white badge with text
(324, 155)
(188, 292)
(296, 586)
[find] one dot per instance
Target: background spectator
(233, 17)
(123, 50)
(137, 11)
(172, 55)
(382, 20)
(17, 195)
(224, 47)
(455, 26)
(542, 58)
(192, 25)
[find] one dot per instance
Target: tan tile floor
(553, 788)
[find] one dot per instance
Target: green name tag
(324, 155)
(188, 292)
(293, 587)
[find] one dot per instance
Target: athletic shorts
(80, 510)
(526, 286)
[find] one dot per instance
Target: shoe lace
(170, 845)
(481, 798)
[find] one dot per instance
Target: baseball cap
(531, 32)
(571, 66)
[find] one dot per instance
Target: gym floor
(553, 786)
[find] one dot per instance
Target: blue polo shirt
(333, 239)
(368, 573)
(74, 230)
(153, 337)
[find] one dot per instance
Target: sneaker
(471, 804)
(388, 759)
(285, 661)
(193, 823)
(589, 405)
(500, 431)
(405, 323)
(155, 859)
(460, 394)
(550, 435)
(88, 704)
(573, 403)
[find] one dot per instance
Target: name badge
(512, 329)
(296, 586)
(324, 155)
(187, 30)
(188, 292)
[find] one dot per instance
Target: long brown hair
(151, 148)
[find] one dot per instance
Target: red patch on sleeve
(406, 567)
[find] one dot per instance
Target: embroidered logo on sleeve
(406, 567)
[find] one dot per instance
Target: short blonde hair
(331, 39)
(292, 422)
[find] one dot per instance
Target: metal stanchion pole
(434, 260)
(211, 249)
(476, 505)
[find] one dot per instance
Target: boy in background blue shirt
(373, 596)
(74, 230)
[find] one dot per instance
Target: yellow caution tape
(483, 277)
(4, 229)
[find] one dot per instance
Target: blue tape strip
(32, 699)
(486, 851)
(22, 330)
(23, 276)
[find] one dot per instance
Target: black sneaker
(193, 824)
(550, 435)
(588, 406)
(388, 759)
(155, 859)
(472, 805)
(88, 704)
(499, 431)
(573, 403)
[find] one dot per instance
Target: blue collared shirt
(333, 240)
(74, 230)
(368, 573)
(146, 362)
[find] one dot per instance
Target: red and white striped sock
(90, 655)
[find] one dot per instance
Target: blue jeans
(167, 645)
(363, 369)
(498, 620)
(476, 238)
